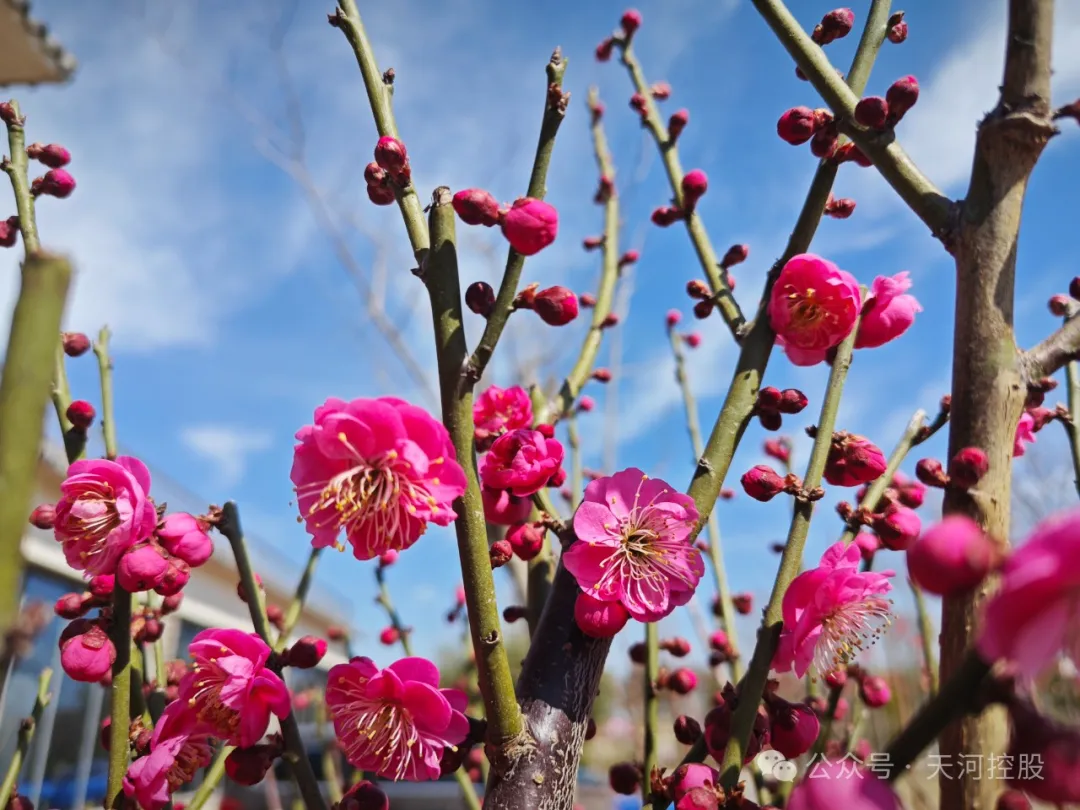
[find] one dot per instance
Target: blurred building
(66, 767)
(28, 55)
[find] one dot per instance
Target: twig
(379, 94)
(17, 167)
(921, 195)
(296, 606)
(576, 474)
(24, 391)
(295, 755)
(26, 735)
(440, 274)
(926, 636)
(752, 686)
(876, 489)
(652, 705)
(468, 789)
(1057, 350)
(699, 237)
(119, 746)
(1072, 425)
(391, 612)
(108, 420)
(214, 774)
(555, 103)
(716, 552)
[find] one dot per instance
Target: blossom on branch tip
(598, 619)
(530, 225)
(521, 461)
(104, 510)
(395, 722)
(814, 304)
(474, 206)
(634, 544)
(230, 688)
(379, 469)
(951, 557)
(831, 612)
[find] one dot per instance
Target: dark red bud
(390, 154)
(81, 414)
(703, 309)
(968, 467)
(677, 123)
(474, 206)
(500, 553)
(556, 306)
(930, 472)
(44, 516)
(480, 298)
(872, 112)
(902, 96)
(797, 125)
(75, 343)
(736, 254)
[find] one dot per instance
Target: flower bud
(665, 216)
(306, 652)
(185, 536)
(43, 517)
(610, 320)
(598, 619)
(839, 207)
(793, 727)
(102, 586)
(8, 116)
(797, 125)
(86, 653)
(389, 636)
(930, 472)
(56, 183)
(603, 51)
(637, 104)
(71, 606)
(901, 96)
(500, 553)
(604, 191)
(602, 375)
(833, 26)
(513, 613)
(364, 796)
(694, 185)
(693, 339)
(628, 258)
(176, 577)
(896, 28)
(677, 123)
(836, 678)
(968, 467)
(171, 604)
(530, 225)
(874, 692)
(952, 557)
(375, 175)
(9, 231)
(81, 414)
(780, 449)
(248, 766)
(698, 289)
(678, 646)
(736, 254)
(142, 567)
(850, 152)
(661, 91)
(872, 112)
(526, 539)
(556, 306)
(52, 155)
(624, 778)
(743, 602)
(391, 155)
(672, 318)
(897, 527)
(592, 242)
(823, 144)
(474, 206)
(762, 483)
(637, 653)
(381, 195)
(630, 22)
(480, 298)
(853, 460)
(275, 615)
(768, 399)
(682, 681)
(75, 343)
(792, 401)
(703, 309)
(1059, 305)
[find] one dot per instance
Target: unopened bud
(513, 613)
(587, 300)
(611, 319)
(872, 112)
(661, 91)
(666, 215)
(500, 553)
(792, 401)
(637, 103)
(624, 778)
(839, 207)
(736, 254)
(605, 190)
(603, 52)
(43, 517)
(81, 414)
(677, 123)
(703, 309)
(556, 306)
(52, 155)
(833, 26)
(1059, 305)
(762, 483)
(630, 22)
(694, 185)
(850, 152)
(628, 258)
(390, 154)
(56, 183)
(381, 195)
(823, 144)
(693, 339)
(306, 652)
(672, 318)
(71, 606)
(901, 97)
(698, 289)
(8, 116)
(687, 729)
(75, 343)
(930, 472)
(9, 231)
(968, 467)
(797, 125)
(592, 242)
(897, 28)
(475, 206)
(602, 375)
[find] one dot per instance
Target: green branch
(927, 636)
(26, 735)
(17, 167)
(652, 705)
(108, 418)
(119, 745)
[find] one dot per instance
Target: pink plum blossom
(179, 748)
(599, 619)
(1032, 616)
(634, 545)
(497, 410)
(185, 536)
(530, 225)
(142, 567)
(395, 722)
(831, 785)
(502, 508)
(380, 469)
(814, 304)
(951, 557)
(104, 509)
(830, 612)
(802, 357)
(794, 728)
(888, 312)
(230, 688)
(521, 461)
(1025, 434)
(86, 652)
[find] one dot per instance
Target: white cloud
(228, 448)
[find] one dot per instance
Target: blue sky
(199, 146)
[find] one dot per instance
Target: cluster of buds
(389, 171)
(875, 112)
(966, 468)
(743, 603)
(839, 207)
(693, 187)
(556, 306)
(772, 403)
(835, 25)
(628, 26)
(763, 483)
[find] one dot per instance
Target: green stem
(555, 102)
(108, 419)
(329, 765)
(576, 474)
(1072, 381)
(379, 94)
(858, 717)
(652, 705)
(296, 607)
(24, 391)
(468, 789)
(927, 636)
(391, 612)
(18, 170)
(119, 747)
(699, 237)
(881, 483)
(827, 724)
(716, 553)
(921, 195)
(214, 774)
(295, 755)
(60, 392)
(440, 274)
(26, 735)
(752, 686)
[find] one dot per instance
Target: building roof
(28, 54)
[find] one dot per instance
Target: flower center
(210, 678)
(93, 517)
(850, 629)
(193, 754)
(385, 732)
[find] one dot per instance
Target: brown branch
(988, 381)
(1053, 353)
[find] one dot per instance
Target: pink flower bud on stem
(474, 206)
(52, 155)
(603, 52)
(56, 183)
(897, 29)
(677, 123)
(43, 517)
(952, 557)
(901, 97)
(833, 26)
(75, 344)
(694, 185)
(736, 254)
(872, 112)
(839, 207)
(556, 306)
(661, 91)
(81, 414)
(930, 472)
(672, 318)
(968, 467)
(797, 125)
(391, 155)
(1059, 305)
(762, 483)
(630, 22)
(9, 231)
(592, 242)
(500, 553)
(628, 258)
(480, 298)
(665, 216)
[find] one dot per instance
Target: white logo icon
(772, 763)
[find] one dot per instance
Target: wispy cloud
(228, 448)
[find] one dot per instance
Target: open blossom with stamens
(814, 304)
(522, 461)
(104, 510)
(380, 469)
(395, 722)
(179, 749)
(889, 311)
(831, 612)
(500, 409)
(229, 687)
(634, 545)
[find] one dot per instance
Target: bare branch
(1054, 352)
